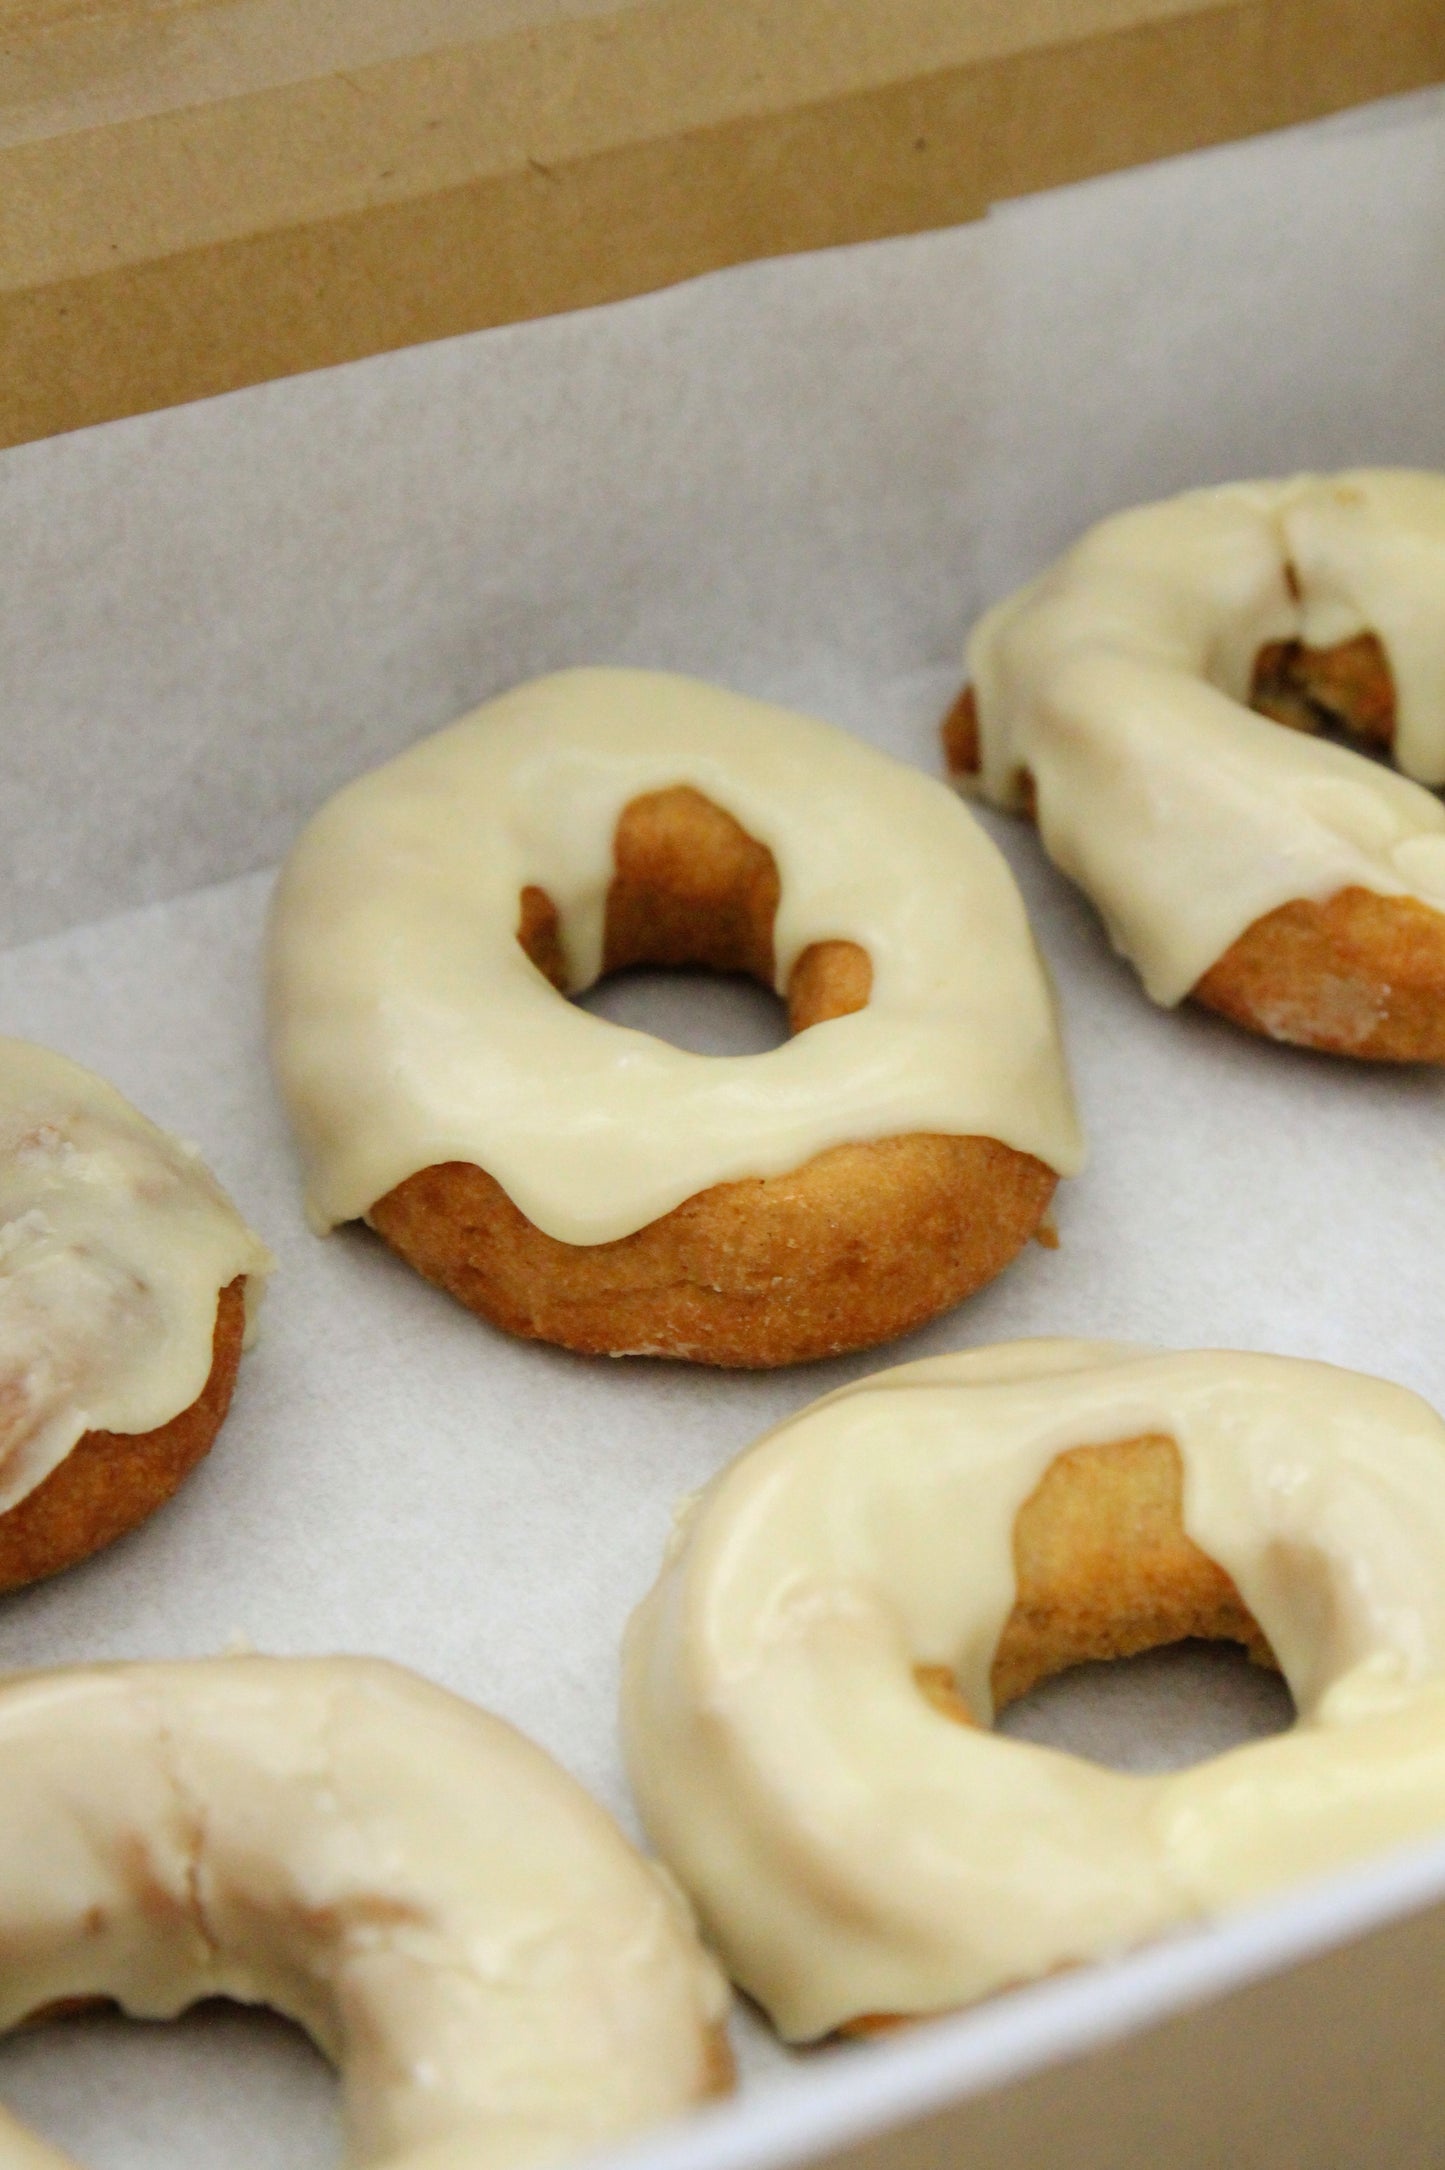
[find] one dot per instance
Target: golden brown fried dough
(1105, 1569)
(962, 750)
(1360, 974)
(860, 1244)
(111, 1481)
(1349, 685)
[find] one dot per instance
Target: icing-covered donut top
(853, 1851)
(1117, 682)
(410, 1028)
(115, 1242)
(497, 1973)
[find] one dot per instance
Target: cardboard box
(804, 478)
(1301, 2039)
(200, 194)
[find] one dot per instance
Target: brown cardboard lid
(200, 194)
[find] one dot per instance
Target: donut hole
(224, 2081)
(714, 1016)
(692, 892)
(1105, 1571)
(1162, 1711)
(1345, 692)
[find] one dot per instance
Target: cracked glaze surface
(852, 1851)
(115, 1243)
(500, 1978)
(410, 1029)
(1119, 681)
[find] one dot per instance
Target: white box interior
(802, 479)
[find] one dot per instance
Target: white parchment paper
(802, 479)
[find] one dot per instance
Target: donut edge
(111, 1482)
(858, 1245)
(1359, 974)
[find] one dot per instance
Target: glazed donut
(1285, 881)
(587, 1185)
(498, 1976)
(126, 1281)
(918, 1549)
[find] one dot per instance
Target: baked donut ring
(591, 1186)
(921, 1547)
(499, 1977)
(1283, 880)
(125, 1280)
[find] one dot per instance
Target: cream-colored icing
(115, 1242)
(21, 2149)
(410, 1028)
(1118, 680)
(499, 1977)
(850, 1849)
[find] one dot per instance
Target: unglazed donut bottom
(858, 1245)
(110, 1482)
(1359, 974)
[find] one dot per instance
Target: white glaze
(409, 1027)
(850, 1849)
(1119, 678)
(500, 1978)
(21, 2149)
(115, 1242)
